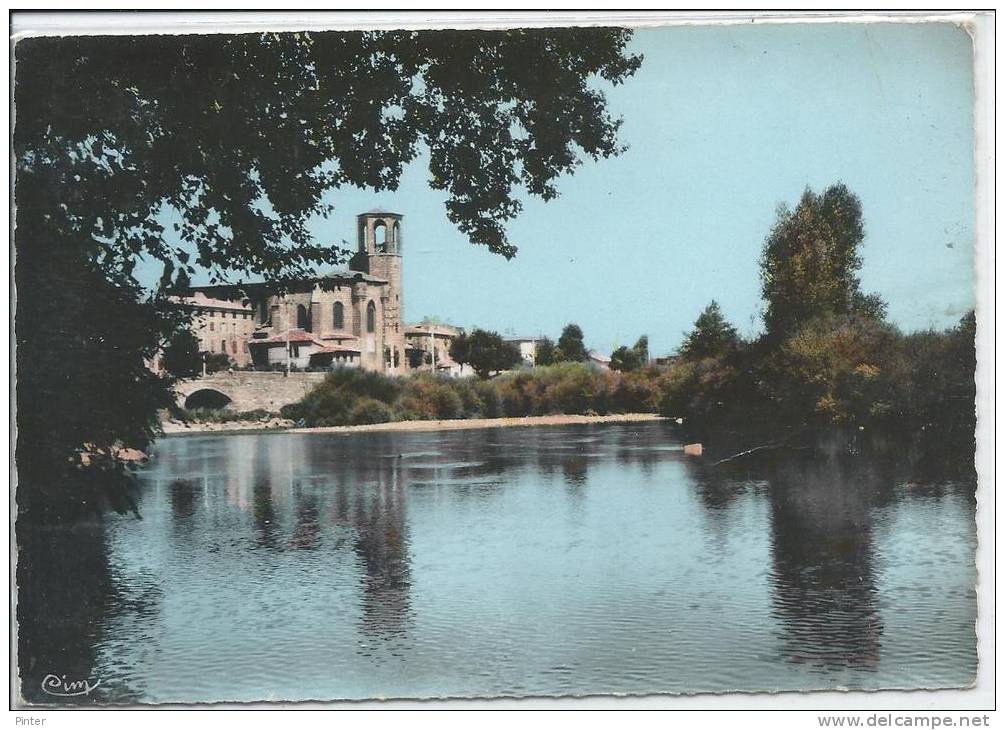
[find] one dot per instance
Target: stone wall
(249, 391)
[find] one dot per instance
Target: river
(522, 561)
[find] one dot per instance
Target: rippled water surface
(513, 561)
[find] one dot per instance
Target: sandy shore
(270, 424)
(173, 427)
(461, 424)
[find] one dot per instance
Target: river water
(522, 561)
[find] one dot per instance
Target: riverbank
(457, 424)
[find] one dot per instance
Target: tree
(83, 386)
(641, 348)
(545, 352)
(624, 359)
(485, 352)
(181, 356)
(711, 336)
(417, 357)
(239, 137)
(628, 359)
(570, 344)
(217, 361)
(811, 260)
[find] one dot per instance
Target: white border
(981, 26)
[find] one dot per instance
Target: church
(346, 317)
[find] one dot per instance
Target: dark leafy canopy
(240, 136)
(627, 359)
(711, 336)
(82, 383)
(810, 263)
(485, 352)
(545, 352)
(570, 344)
(110, 129)
(181, 356)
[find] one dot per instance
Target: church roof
(237, 290)
(351, 275)
(379, 211)
(199, 300)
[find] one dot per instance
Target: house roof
(300, 337)
(430, 328)
(536, 338)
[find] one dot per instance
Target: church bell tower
(379, 250)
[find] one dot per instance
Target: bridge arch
(209, 398)
(250, 391)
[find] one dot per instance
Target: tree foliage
(232, 141)
(83, 385)
(486, 352)
(181, 355)
(570, 344)
(830, 369)
(545, 352)
(811, 260)
(212, 125)
(627, 359)
(711, 336)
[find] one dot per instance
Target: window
(233, 347)
(380, 236)
(223, 346)
(211, 326)
(303, 318)
(338, 316)
(371, 317)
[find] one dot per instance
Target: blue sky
(723, 123)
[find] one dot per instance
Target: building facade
(221, 325)
(428, 346)
(527, 347)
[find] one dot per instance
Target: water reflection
(182, 498)
(382, 545)
(823, 563)
(308, 525)
(476, 563)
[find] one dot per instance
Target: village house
(428, 345)
(527, 347)
(220, 325)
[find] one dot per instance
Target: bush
(640, 391)
(207, 415)
(368, 410)
(425, 398)
(218, 361)
(348, 396)
(488, 397)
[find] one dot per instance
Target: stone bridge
(246, 390)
